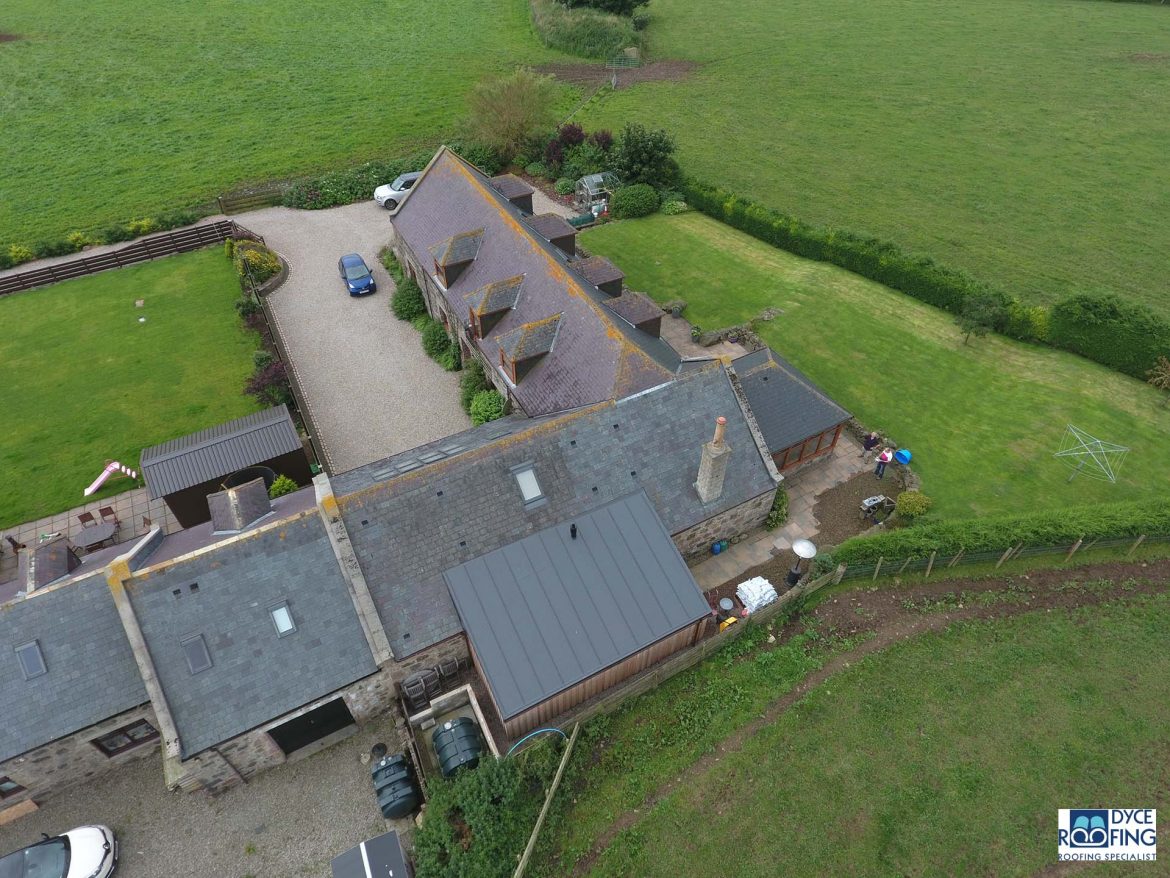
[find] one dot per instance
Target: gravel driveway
(369, 388)
(285, 823)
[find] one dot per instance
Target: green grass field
(1020, 140)
(85, 382)
(111, 113)
(981, 419)
(882, 769)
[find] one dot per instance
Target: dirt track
(595, 74)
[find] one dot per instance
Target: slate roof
(548, 611)
(412, 516)
(495, 297)
(255, 675)
(459, 248)
(531, 339)
(511, 186)
(598, 357)
(218, 451)
(598, 270)
(788, 407)
(634, 307)
(550, 226)
(91, 674)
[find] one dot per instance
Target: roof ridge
(216, 438)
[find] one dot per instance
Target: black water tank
(458, 744)
(395, 786)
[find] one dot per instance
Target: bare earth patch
(1150, 58)
(8, 38)
(595, 74)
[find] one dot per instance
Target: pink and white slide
(112, 467)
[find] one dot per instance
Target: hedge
(589, 33)
(1122, 335)
(634, 201)
(991, 533)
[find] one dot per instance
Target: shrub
(229, 248)
(536, 169)
(18, 253)
(282, 485)
(508, 110)
(582, 159)
(554, 154)
(1026, 322)
(116, 234)
(674, 208)
(1159, 376)
(407, 302)
(486, 405)
(615, 7)
(645, 156)
(1122, 335)
(78, 241)
(641, 19)
(565, 186)
(256, 261)
(634, 201)
(143, 226)
(778, 514)
(979, 315)
(485, 157)
(435, 340)
(472, 382)
(270, 385)
(912, 504)
(582, 31)
(602, 139)
(390, 263)
(348, 185)
(262, 358)
(997, 533)
(246, 306)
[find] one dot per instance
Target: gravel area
(370, 389)
(290, 821)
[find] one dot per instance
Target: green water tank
(458, 744)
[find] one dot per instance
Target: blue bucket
(902, 456)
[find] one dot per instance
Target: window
(9, 787)
(529, 486)
(282, 619)
(126, 737)
(32, 663)
(195, 649)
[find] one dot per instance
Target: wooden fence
(142, 250)
(252, 199)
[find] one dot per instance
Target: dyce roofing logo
(1108, 834)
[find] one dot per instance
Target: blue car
(356, 274)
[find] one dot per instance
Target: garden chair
(87, 519)
(107, 513)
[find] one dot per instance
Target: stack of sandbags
(755, 593)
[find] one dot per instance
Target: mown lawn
(1020, 140)
(948, 754)
(85, 382)
(981, 419)
(111, 113)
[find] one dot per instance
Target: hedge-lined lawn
(110, 113)
(982, 419)
(1020, 141)
(948, 754)
(84, 381)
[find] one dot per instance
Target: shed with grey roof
(186, 470)
(569, 611)
(798, 420)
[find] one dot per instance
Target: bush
(645, 156)
(485, 157)
(602, 139)
(282, 485)
(486, 405)
(390, 263)
(18, 253)
(583, 159)
(262, 358)
(1122, 335)
(507, 111)
(348, 185)
(778, 514)
(565, 186)
(536, 169)
(78, 241)
(407, 302)
(912, 504)
(634, 201)
(582, 31)
(116, 234)
(472, 382)
(253, 259)
(246, 306)
(143, 226)
(674, 208)
(615, 7)
(1026, 322)
(229, 248)
(996, 533)
(270, 385)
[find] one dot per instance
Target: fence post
(930, 564)
(1136, 543)
(905, 563)
(552, 791)
(840, 573)
(219, 201)
(1017, 551)
(876, 569)
(1074, 548)
(955, 560)
(1004, 557)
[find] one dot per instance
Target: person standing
(882, 459)
(869, 442)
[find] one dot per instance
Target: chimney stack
(237, 508)
(713, 464)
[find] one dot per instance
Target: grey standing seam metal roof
(788, 407)
(549, 611)
(598, 356)
(255, 676)
(218, 451)
(91, 672)
(415, 515)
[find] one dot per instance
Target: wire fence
(935, 562)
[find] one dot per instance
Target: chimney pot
(720, 427)
(573, 531)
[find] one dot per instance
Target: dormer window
(523, 347)
(454, 256)
(529, 486)
(488, 305)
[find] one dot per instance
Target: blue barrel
(902, 455)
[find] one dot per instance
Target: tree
(509, 111)
(981, 313)
(643, 156)
(1160, 377)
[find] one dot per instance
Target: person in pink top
(882, 459)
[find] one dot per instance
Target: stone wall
(695, 542)
(74, 759)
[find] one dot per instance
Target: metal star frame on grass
(1087, 455)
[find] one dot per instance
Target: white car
(390, 195)
(85, 852)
